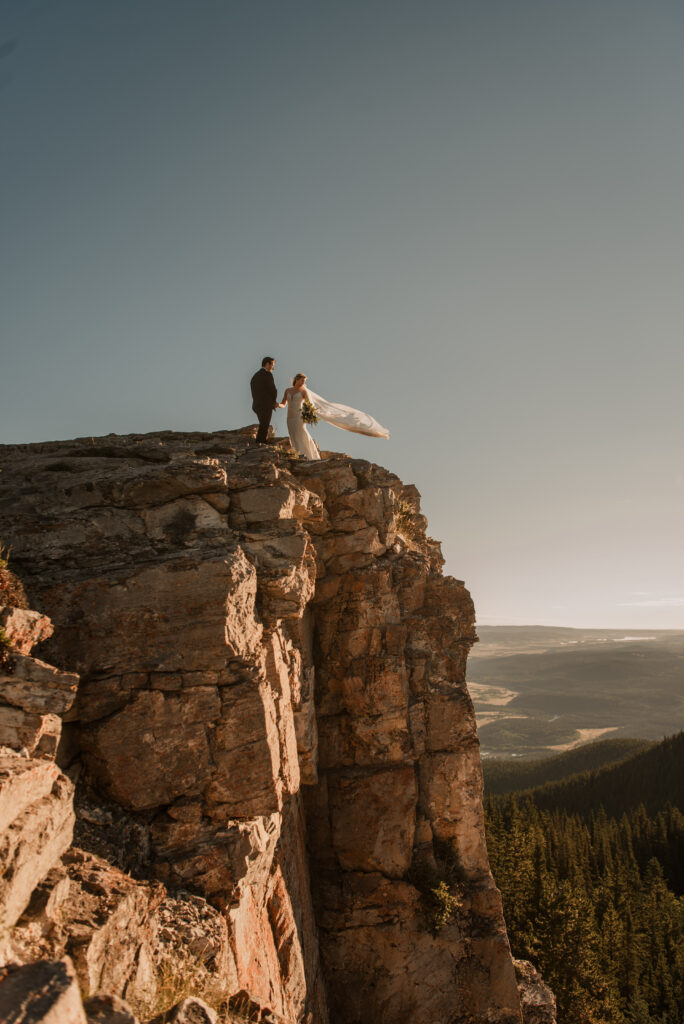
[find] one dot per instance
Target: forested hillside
(650, 777)
(593, 896)
(509, 775)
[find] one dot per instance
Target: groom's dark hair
(267, 359)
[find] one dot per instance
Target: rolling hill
(504, 775)
(545, 690)
(653, 777)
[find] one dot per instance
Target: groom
(264, 397)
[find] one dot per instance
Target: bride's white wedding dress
(342, 416)
(300, 438)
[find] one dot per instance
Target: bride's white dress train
(342, 416)
(346, 418)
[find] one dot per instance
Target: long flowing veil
(346, 418)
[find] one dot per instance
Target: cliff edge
(271, 720)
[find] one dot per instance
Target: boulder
(36, 687)
(24, 628)
(31, 845)
(537, 1001)
(108, 1009)
(34, 735)
(191, 1010)
(45, 992)
(106, 923)
(23, 782)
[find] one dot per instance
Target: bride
(294, 398)
(341, 416)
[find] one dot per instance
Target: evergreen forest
(508, 775)
(593, 892)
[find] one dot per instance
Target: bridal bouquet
(309, 413)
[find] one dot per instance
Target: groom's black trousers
(264, 414)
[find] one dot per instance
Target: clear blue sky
(466, 218)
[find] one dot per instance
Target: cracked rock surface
(272, 691)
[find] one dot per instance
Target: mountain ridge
(652, 777)
(510, 776)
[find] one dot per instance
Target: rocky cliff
(271, 721)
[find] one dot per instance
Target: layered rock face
(272, 693)
(77, 923)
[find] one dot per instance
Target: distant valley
(541, 690)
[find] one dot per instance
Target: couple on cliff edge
(265, 400)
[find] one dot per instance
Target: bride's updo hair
(297, 377)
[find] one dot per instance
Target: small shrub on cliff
(6, 662)
(240, 1009)
(180, 527)
(445, 903)
(404, 519)
(11, 590)
(442, 894)
(176, 977)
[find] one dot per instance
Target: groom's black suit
(264, 398)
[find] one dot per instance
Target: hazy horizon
(556, 625)
(465, 219)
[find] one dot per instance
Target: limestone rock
(48, 899)
(373, 821)
(37, 687)
(108, 1009)
(536, 998)
(34, 840)
(273, 687)
(36, 735)
(156, 748)
(41, 993)
(94, 913)
(189, 1011)
(243, 1005)
(33, 695)
(106, 922)
(24, 628)
(189, 947)
(126, 938)
(23, 782)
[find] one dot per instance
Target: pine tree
(590, 903)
